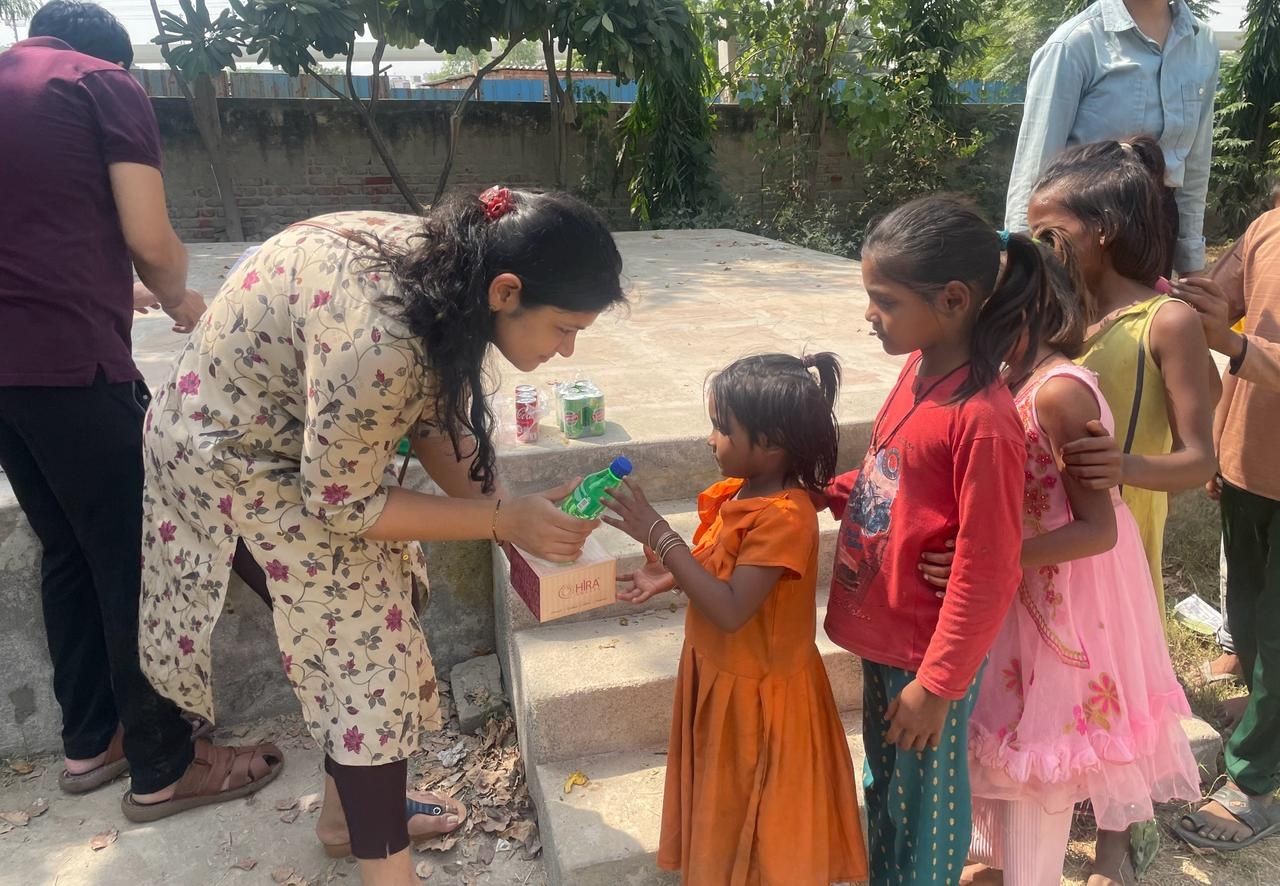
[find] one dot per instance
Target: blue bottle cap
(621, 467)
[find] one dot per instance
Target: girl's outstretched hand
(635, 516)
(648, 581)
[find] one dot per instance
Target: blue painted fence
(273, 84)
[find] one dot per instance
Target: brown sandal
(114, 766)
(245, 770)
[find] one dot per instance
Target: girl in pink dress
(1079, 699)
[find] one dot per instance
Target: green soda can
(581, 410)
(587, 501)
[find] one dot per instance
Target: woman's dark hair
(558, 246)
(1117, 187)
(779, 402)
(1069, 305)
(933, 241)
(86, 28)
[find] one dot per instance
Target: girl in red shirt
(945, 461)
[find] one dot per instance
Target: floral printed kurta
(279, 426)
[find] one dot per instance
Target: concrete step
(670, 468)
(606, 832)
(602, 687)
(683, 517)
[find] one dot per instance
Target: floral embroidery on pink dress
(1079, 699)
(279, 426)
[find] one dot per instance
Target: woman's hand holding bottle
(535, 523)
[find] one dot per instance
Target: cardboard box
(554, 590)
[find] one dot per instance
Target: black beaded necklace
(877, 444)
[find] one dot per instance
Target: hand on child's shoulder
(1065, 406)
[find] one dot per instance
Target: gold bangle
(649, 537)
(494, 529)
(678, 543)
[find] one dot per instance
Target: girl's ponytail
(1014, 309)
(827, 365)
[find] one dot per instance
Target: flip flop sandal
(1263, 820)
(241, 768)
(1208, 677)
(411, 808)
(112, 768)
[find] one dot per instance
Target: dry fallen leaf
(282, 875)
(103, 840)
(19, 818)
(438, 843)
(246, 864)
(453, 869)
(522, 832)
(21, 767)
(575, 780)
(38, 808)
(424, 869)
(485, 854)
(286, 805)
(291, 816)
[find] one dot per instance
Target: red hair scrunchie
(497, 202)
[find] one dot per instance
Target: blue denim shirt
(1099, 77)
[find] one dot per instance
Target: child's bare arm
(1191, 382)
(1065, 406)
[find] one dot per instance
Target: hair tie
(497, 202)
(1004, 240)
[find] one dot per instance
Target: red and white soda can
(527, 414)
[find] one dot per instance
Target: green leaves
(197, 44)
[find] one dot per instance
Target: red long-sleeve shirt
(949, 470)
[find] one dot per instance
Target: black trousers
(74, 459)
(373, 800)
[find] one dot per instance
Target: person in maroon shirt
(83, 208)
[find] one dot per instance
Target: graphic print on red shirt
(864, 533)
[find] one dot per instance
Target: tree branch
(455, 119)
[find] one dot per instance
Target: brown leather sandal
(114, 766)
(245, 770)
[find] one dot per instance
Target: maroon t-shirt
(66, 279)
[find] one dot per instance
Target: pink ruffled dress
(1079, 699)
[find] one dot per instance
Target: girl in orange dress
(759, 778)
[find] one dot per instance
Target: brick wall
(295, 158)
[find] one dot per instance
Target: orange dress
(760, 784)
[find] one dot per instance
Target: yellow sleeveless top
(1120, 355)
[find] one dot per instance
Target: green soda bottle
(587, 501)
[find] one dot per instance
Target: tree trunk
(455, 119)
(204, 110)
(204, 107)
(555, 97)
(375, 134)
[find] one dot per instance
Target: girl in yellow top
(759, 779)
(1148, 350)
(1151, 358)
